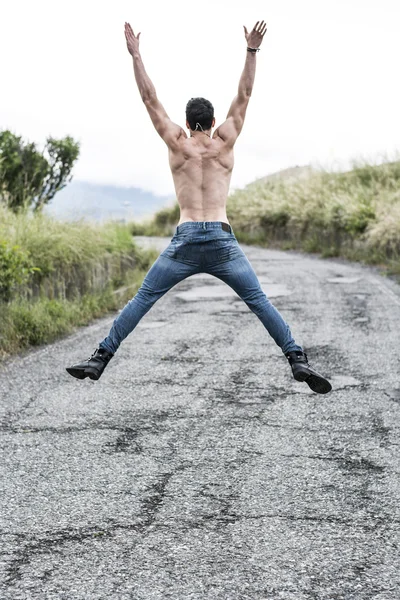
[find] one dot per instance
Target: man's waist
(195, 225)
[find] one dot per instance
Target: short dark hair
(199, 110)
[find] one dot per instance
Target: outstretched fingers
(260, 27)
(129, 30)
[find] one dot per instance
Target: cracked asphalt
(197, 467)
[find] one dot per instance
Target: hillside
(353, 214)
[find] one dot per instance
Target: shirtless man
(203, 241)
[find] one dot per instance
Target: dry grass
(355, 214)
(78, 266)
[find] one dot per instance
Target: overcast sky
(326, 90)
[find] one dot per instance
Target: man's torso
(201, 170)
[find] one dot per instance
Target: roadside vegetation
(55, 275)
(355, 214)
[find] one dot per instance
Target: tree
(22, 171)
(29, 177)
(62, 156)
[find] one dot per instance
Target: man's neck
(195, 134)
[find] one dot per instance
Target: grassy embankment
(55, 276)
(355, 215)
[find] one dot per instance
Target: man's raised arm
(230, 129)
(169, 131)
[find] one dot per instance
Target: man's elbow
(148, 99)
(244, 94)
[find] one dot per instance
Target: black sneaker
(93, 367)
(303, 372)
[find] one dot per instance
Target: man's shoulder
(225, 134)
(175, 144)
(215, 135)
(225, 140)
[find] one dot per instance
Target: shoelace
(90, 357)
(305, 359)
(302, 358)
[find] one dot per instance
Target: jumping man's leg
(235, 269)
(240, 276)
(166, 272)
(162, 276)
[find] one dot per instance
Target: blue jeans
(201, 247)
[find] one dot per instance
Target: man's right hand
(255, 37)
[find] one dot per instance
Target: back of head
(199, 110)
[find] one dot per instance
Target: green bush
(69, 253)
(55, 275)
(16, 267)
(25, 323)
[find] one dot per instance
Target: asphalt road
(197, 467)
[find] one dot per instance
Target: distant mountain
(100, 202)
(291, 173)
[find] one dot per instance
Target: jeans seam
(173, 258)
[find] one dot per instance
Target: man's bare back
(201, 165)
(201, 169)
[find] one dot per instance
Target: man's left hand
(132, 41)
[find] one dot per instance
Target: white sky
(327, 82)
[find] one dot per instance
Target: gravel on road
(197, 467)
